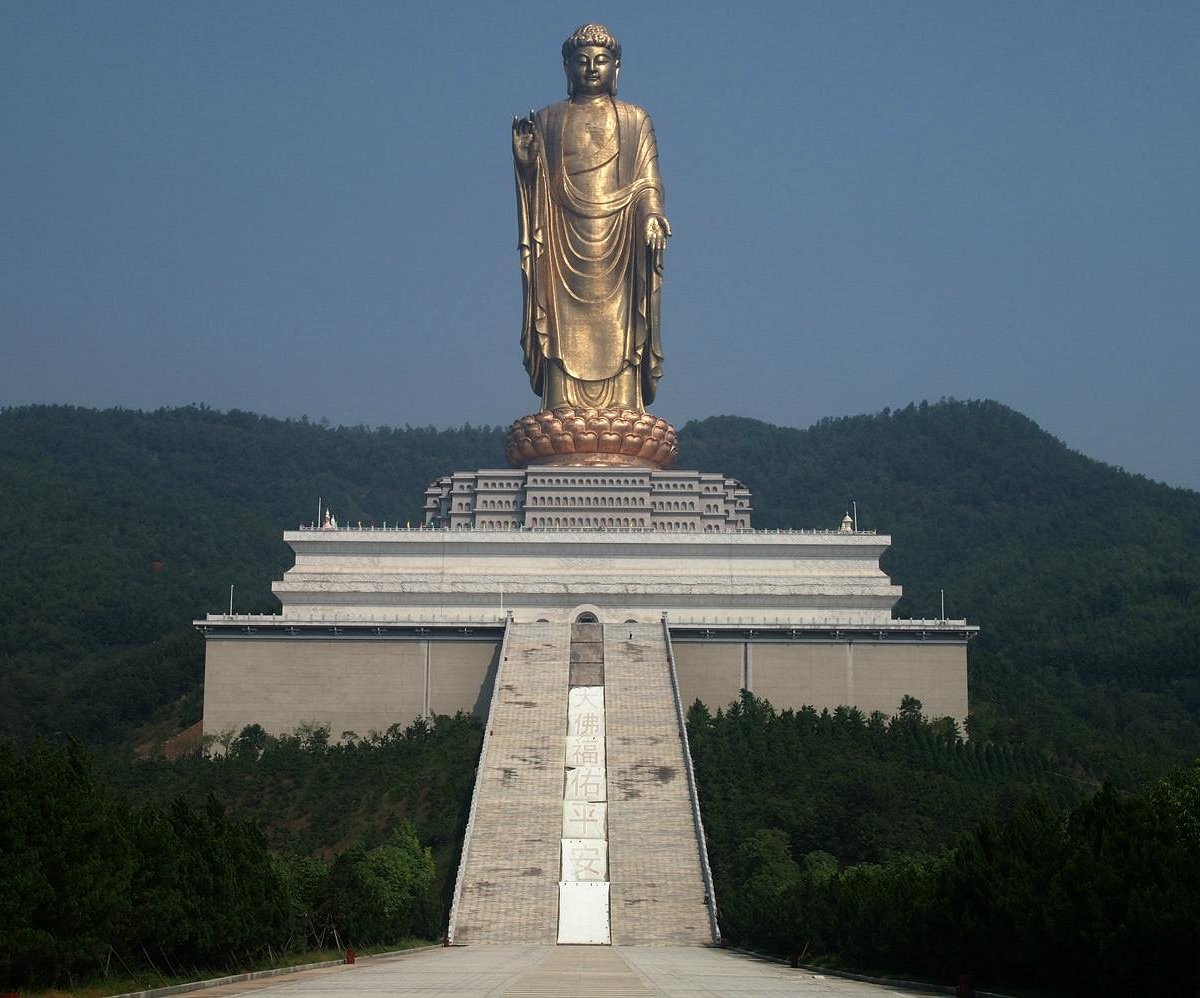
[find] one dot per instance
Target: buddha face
(591, 70)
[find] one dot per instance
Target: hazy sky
(307, 208)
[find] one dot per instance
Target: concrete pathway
(575, 972)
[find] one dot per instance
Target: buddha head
(592, 61)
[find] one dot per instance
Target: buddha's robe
(590, 330)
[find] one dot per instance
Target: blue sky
(307, 208)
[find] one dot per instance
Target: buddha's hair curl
(591, 34)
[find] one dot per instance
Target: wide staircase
(508, 888)
(658, 893)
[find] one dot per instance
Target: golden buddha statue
(592, 236)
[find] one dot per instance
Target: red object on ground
(349, 956)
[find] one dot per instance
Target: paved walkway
(577, 972)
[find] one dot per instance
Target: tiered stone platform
(378, 626)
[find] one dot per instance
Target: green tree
(763, 874)
(377, 895)
(64, 864)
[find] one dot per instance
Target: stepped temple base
(378, 626)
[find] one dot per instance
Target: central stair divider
(583, 891)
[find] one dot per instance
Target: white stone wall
(344, 683)
(869, 675)
(477, 576)
(360, 684)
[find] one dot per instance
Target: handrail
(710, 894)
(479, 775)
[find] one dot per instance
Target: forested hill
(1085, 579)
(123, 526)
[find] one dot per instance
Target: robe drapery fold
(590, 329)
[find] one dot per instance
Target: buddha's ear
(567, 74)
(616, 77)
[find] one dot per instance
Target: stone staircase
(507, 888)
(658, 893)
(508, 880)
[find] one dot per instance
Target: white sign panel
(585, 783)
(583, 914)
(584, 859)
(589, 696)
(584, 751)
(584, 820)
(585, 711)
